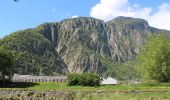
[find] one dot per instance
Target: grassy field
(64, 86)
(142, 91)
(143, 96)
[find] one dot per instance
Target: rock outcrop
(81, 43)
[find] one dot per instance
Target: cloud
(109, 9)
(75, 16)
(160, 18)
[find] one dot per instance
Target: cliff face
(81, 43)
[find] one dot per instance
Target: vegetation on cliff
(33, 53)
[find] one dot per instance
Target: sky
(25, 14)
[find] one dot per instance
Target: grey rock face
(81, 43)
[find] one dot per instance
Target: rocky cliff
(80, 44)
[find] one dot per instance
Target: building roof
(16, 76)
(109, 80)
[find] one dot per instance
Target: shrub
(73, 79)
(85, 79)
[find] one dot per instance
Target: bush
(85, 79)
(73, 79)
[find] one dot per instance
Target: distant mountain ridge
(77, 45)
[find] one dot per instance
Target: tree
(6, 64)
(154, 61)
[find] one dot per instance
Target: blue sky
(30, 13)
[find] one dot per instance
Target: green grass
(144, 96)
(140, 91)
(64, 86)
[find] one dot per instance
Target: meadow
(149, 86)
(61, 91)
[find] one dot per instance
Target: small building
(30, 78)
(109, 81)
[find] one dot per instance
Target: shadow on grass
(18, 85)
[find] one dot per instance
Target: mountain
(78, 45)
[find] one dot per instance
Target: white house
(109, 81)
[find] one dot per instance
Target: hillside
(80, 44)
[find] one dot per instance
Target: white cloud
(160, 18)
(109, 9)
(75, 16)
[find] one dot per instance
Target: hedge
(85, 79)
